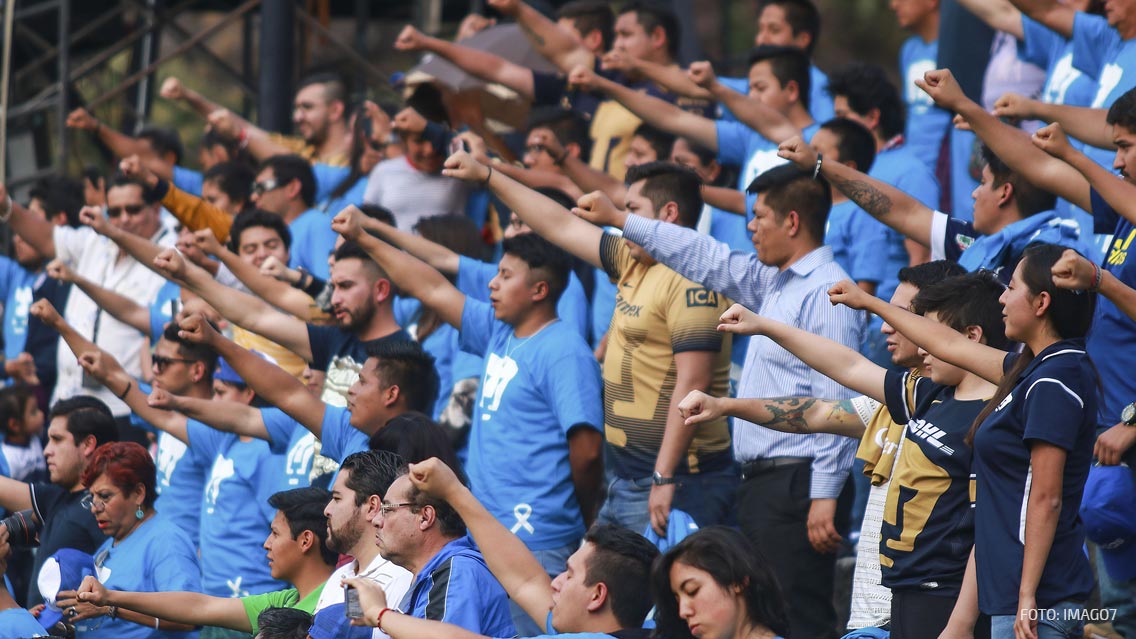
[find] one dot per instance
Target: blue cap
(332, 623)
(62, 571)
(1108, 510)
(226, 373)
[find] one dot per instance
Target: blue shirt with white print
(534, 390)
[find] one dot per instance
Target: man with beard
(29, 348)
(356, 499)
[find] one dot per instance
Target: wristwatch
(659, 480)
(1128, 415)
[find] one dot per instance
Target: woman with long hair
(142, 552)
(1033, 445)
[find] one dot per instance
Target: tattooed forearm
(536, 38)
(862, 192)
(841, 411)
(788, 414)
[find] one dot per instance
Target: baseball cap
(226, 373)
(332, 623)
(1108, 510)
(62, 571)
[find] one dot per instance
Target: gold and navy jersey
(658, 313)
(928, 527)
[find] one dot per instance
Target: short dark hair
(788, 64)
(866, 87)
(233, 178)
(923, 275)
(854, 142)
(669, 182)
(732, 562)
(334, 87)
(86, 417)
(1030, 198)
(405, 364)
(1123, 111)
(622, 560)
(372, 472)
(351, 251)
(541, 255)
(380, 213)
(58, 194)
(13, 402)
(789, 188)
(258, 218)
(967, 300)
(293, 167)
(660, 140)
(449, 520)
(283, 623)
(654, 15)
(415, 437)
(192, 350)
(120, 179)
(163, 140)
(802, 16)
(588, 16)
(568, 126)
(303, 510)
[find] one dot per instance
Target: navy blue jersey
(1053, 401)
(928, 526)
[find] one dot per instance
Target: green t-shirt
(290, 598)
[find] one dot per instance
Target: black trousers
(773, 512)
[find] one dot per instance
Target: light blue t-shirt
(16, 289)
(17, 623)
(312, 242)
(1101, 54)
(289, 438)
(450, 361)
(927, 124)
(753, 153)
(235, 515)
(328, 179)
(858, 242)
(156, 557)
(338, 437)
(899, 167)
(820, 102)
(163, 309)
(188, 180)
(533, 391)
(473, 280)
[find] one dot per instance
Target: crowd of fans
(646, 368)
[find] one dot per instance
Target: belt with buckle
(759, 466)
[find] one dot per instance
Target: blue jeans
(1064, 620)
(553, 561)
(1119, 596)
(707, 497)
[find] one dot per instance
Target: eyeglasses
(537, 148)
(260, 188)
(91, 501)
(129, 209)
(161, 362)
(387, 508)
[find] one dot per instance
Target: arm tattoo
(536, 37)
(871, 199)
(789, 413)
(841, 411)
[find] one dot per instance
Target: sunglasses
(260, 188)
(129, 209)
(160, 362)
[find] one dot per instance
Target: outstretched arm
(437, 256)
(559, 45)
(803, 415)
(1075, 272)
(173, 89)
(32, 228)
(283, 295)
(480, 64)
(655, 112)
(940, 340)
(1087, 124)
(882, 201)
(668, 76)
(411, 275)
(514, 566)
(769, 122)
(582, 177)
(1010, 144)
(247, 311)
(189, 608)
(231, 417)
(1118, 193)
(120, 144)
(842, 364)
(1000, 15)
(547, 218)
(1058, 16)
(270, 382)
(120, 307)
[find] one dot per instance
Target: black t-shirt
(66, 524)
(340, 354)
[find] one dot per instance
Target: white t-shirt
(96, 258)
(395, 581)
(411, 194)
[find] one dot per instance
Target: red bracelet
(379, 621)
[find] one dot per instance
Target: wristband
(816, 170)
(1098, 275)
(156, 622)
(7, 209)
(243, 138)
(126, 390)
(379, 621)
(113, 613)
(485, 184)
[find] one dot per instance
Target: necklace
(510, 349)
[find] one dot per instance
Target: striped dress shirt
(797, 296)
